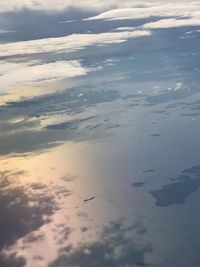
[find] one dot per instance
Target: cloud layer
(182, 14)
(29, 71)
(67, 43)
(49, 5)
(15, 74)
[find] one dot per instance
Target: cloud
(20, 70)
(171, 23)
(125, 29)
(49, 5)
(67, 43)
(180, 9)
(17, 72)
(14, 74)
(95, 5)
(184, 14)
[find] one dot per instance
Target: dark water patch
(24, 124)
(133, 105)
(138, 184)
(30, 141)
(175, 193)
(189, 114)
(64, 235)
(95, 126)
(38, 186)
(168, 96)
(155, 135)
(171, 106)
(133, 96)
(89, 199)
(68, 101)
(195, 106)
(159, 111)
(105, 126)
(84, 229)
(73, 124)
(62, 191)
(62, 126)
(176, 105)
(193, 170)
(32, 237)
(34, 140)
(113, 126)
(38, 258)
(68, 178)
(181, 177)
(115, 246)
(139, 228)
(82, 214)
(149, 171)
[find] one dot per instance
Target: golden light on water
(62, 174)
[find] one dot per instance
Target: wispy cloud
(171, 9)
(27, 70)
(67, 43)
(49, 5)
(179, 14)
(30, 71)
(33, 72)
(170, 23)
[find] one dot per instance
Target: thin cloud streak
(67, 43)
(171, 23)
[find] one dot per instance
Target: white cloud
(97, 5)
(170, 23)
(13, 74)
(67, 43)
(29, 71)
(179, 85)
(170, 9)
(184, 14)
(34, 72)
(125, 29)
(50, 5)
